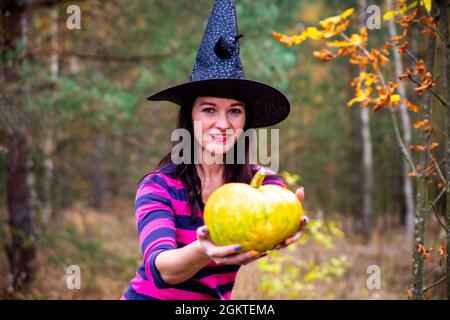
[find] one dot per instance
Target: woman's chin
(217, 150)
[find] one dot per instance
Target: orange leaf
(324, 55)
(402, 48)
(416, 148)
(412, 107)
(345, 51)
(400, 37)
(420, 67)
(422, 123)
(432, 146)
(377, 107)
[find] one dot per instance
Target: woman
(180, 261)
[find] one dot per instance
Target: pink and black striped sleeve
(271, 177)
(274, 179)
(154, 213)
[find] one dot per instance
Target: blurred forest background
(74, 110)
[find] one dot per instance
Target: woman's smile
(220, 138)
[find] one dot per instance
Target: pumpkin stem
(258, 178)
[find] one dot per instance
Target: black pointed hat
(218, 72)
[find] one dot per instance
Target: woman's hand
(300, 193)
(231, 254)
(225, 254)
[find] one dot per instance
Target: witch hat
(218, 72)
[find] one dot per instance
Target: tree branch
(393, 115)
(435, 284)
(431, 28)
(433, 205)
(440, 174)
(429, 89)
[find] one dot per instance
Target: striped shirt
(164, 223)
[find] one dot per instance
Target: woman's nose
(222, 121)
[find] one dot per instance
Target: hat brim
(269, 105)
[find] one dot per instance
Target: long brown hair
(187, 172)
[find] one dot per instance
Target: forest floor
(105, 247)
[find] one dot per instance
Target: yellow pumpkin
(255, 216)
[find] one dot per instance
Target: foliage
(287, 275)
(372, 90)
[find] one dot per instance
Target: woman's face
(218, 122)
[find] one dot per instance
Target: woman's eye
(208, 110)
(236, 111)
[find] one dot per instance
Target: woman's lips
(220, 138)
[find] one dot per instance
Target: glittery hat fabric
(218, 72)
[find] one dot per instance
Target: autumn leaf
(403, 47)
(391, 14)
(420, 67)
(324, 55)
(406, 20)
(277, 35)
(376, 54)
(395, 98)
(430, 24)
(345, 51)
(412, 106)
(416, 148)
(386, 98)
(426, 4)
(432, 146)
(288, 40)
(363, 34)
(400, 37)
(313, 33)
(427, 83)
(333, 21)
(406, 74)
(377, 107)
(354, 41)
(358, 98)
(420, 124)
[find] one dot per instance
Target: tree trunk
(21, 250)
(47, 206)
(367, 172)
(367, 160)
(355, 169)
(98, 171)
(408, 190)
(33, 199)
(419, 229)
(48, 146)
(443, 7)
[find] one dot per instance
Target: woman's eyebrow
(213, 104)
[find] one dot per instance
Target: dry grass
(105, 246)
(387, 249)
